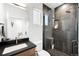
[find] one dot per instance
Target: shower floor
(55, 52)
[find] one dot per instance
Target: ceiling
(53, 5)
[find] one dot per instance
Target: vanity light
(20, 5)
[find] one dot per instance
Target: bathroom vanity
(23, 48)
(29, 52)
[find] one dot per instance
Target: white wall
(2, 16)
(35, 31)
(2, 13)
(19, 17)
(78, 29)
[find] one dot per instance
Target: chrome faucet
(16, 40)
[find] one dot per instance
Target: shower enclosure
(66, 33)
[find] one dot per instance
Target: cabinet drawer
(29, 52)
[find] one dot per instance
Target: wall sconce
(12, 23)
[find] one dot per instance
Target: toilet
(43, 53)
(40, 51)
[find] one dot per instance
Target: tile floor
(55, 52)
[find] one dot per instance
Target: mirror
(15, 23)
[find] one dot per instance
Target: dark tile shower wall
(47, 29)
(66, 34)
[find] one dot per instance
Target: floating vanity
(23, 48)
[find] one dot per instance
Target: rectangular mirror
(15, 21)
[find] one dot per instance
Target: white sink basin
(14, 48)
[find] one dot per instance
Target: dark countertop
(3, 45)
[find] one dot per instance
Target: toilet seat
(43, 53)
